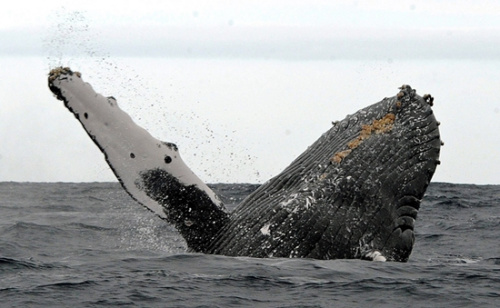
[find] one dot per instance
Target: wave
(81, 251)
(10, 264)
(21, 228)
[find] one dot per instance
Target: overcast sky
(248, 83)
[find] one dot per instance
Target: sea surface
(91, 245)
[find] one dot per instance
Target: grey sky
(316, 30)
(253, 77)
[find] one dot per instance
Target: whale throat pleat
(355, 191)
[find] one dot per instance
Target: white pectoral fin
(128, 148)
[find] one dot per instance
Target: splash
(214, 152)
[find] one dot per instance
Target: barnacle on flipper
(58, 71)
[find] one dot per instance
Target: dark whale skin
(355, 191)
(353, 194)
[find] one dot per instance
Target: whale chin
(354, 193)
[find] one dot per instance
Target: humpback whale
(353, 194)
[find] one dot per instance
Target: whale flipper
(355, 193)
(150, 170)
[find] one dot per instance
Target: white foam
(376, 256)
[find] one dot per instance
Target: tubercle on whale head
(429, 99)
(405, 95)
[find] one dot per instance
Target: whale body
(354, 193)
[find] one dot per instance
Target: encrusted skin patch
(379, 126)
(56, 72)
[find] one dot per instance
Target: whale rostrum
(354, 193)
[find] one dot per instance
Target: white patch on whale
(265, 229)
(128, 148)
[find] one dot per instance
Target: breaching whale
(354, 193)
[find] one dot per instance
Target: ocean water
(91, 245)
